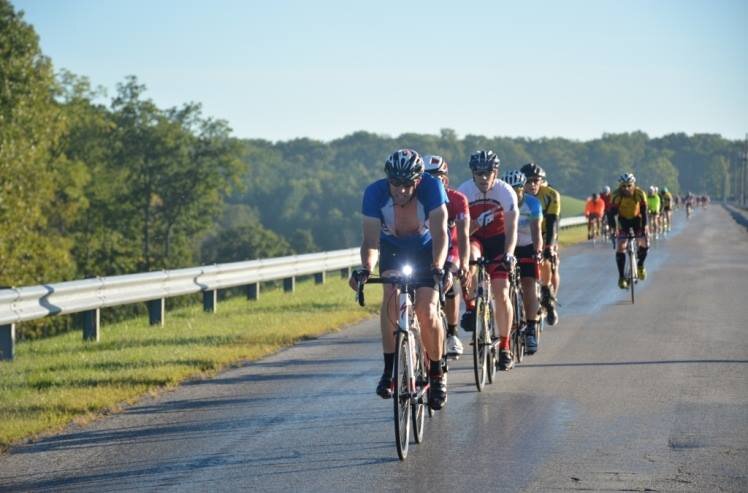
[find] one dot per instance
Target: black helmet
(532, 170)
(484, 161)
(404, 164)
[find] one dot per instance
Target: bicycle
(484, 344)
(518, 332)
(410, 369)
(630, 270)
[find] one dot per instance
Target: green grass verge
(62, 379)
(571, 207)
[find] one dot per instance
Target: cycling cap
(404, 164)
(627, 178)
(532, 170)
(606, 189)
(514, 178)
(435, 164)
(484, 161)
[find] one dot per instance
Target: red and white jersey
(499, 198)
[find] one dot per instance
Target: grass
(571, 207)
(62, 379)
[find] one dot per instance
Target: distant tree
(246, 242)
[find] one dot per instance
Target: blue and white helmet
(404, 164)
(627, 178)
(515, 178)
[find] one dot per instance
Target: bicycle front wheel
(401, 399)
(418, 407)
(491, 355)
(479, 347)
(632, 273)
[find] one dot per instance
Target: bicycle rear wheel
(479, 346)
(401, 399)
(518, 327)
(491, 350)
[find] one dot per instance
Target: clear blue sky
(323, 69)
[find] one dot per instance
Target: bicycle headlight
(407, 270)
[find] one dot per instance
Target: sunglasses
(482, 174)
(401, 183)
(534, 181)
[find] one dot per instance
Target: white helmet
(514, 178)
(627, 178)
(435, 164)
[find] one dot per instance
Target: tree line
(92, 185)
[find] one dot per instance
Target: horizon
(542, 70)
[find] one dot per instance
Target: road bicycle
(630, 272)
(484, 343)
(410, 369)
(519, 319)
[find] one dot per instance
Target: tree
(31, 125)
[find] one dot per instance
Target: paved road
(620, 398)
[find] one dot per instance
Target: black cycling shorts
(528, 265)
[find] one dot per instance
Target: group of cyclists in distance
(413, 217)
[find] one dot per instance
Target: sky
(284, 69)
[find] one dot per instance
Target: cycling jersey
(631, 206)
(457, 210)
(653, 204)
(488, 208)
(377, 203)
(667, 199)
(529, 211)
(605, 198)
(550, 199)
(594, 207)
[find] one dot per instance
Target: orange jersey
(596, 207)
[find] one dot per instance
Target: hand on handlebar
(358, 276)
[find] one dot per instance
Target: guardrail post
(7, 341)
(345, 272)
(156, 309)
(210, 300)
(91, 325)
(253, 291)
(289, 284)
(319, 278)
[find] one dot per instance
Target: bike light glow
(407, 270)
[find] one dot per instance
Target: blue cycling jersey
(530, 210)
(378, 204)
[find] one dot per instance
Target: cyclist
(458, 255)
(493, 235)
(528, 252)
(605, 195)
(653, 210)
(667, 207)
(405, 222)
(629, 206)
(550, 200)
(593, 211)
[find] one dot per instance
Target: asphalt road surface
(649, 397)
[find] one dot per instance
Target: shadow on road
(637, 363)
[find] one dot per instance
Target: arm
(551, 229)
(463, 241)
(370, 245)
(511, 218)
(537, 236)
(438, 228)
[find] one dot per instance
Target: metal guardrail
(89, 296)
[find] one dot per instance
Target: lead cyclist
(405, 222)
